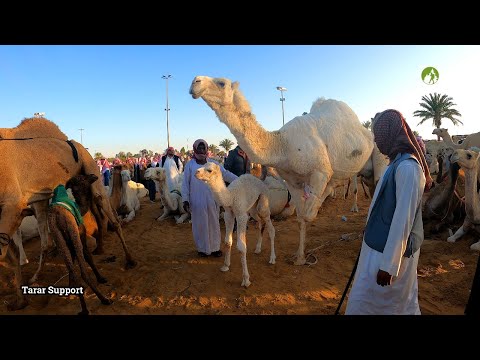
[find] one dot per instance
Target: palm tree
(213, 149)
(368, 124)
(227, 144)
(98, 155)
(437, 107)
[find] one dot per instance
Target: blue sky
(117, 94)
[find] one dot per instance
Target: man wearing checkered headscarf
(386, 278)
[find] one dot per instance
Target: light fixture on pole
(81, 136)
(282, 99)
(166, 77)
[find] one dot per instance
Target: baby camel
(244, 197)
(68, 232)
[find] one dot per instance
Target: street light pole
(81, 136)
(282, 99)
(167, 110)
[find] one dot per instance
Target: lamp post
(81, 136)
(167, 110)
(282, 99)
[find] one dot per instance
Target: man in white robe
(173, 168)
(198, 199)
(386, 282)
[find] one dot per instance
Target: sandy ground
(171, 279)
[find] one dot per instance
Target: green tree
(98, 155)
(182, 151)
(121, 155)
(213, 148)
(437, 107)
(415, 132)
(227, 144)
(129, 154)
(304, 113)
(368, 124)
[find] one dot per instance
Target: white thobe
(172, 172)
(204, 209)
(401, 297)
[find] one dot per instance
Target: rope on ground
(60, 279)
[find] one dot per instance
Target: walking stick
(348, 284)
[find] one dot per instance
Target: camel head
(441, 132)
(155, 173)
(218, 91)
(467, 159)
(209, 173)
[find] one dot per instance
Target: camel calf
(68, 232)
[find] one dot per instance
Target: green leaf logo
(430, 75)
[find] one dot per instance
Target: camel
(444, 203)
(171, 200)
(370, 174)
(245, 196)
(56, 161)
(70, 238)
(470, 140)
(123, 194)
(307, 152)
(468, 160)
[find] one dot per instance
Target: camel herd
(303, 162)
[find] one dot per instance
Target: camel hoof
(17, 305)
(130, 264)
(475, 246)
(258, 251)
(246, 283)
(107, 301)
(98, 251)
(224, 268)
(300, 261)
(101, 280)
(451, 239)
(354, 209)
(272, 261)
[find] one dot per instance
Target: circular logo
(430, 75)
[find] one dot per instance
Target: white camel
(244, 197)
(308, 151)
(469, 161)
(171, 200)
(470, 140)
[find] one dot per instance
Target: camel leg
(271, 234)
(355, 194)
(242, 246)
(17, 239)
(41, 210)
(105, 205)
(182, 218)
(72, 283)
(88, 257)
(12, 258)
(460, 232)
(229, 222)
(77, 244)
(317, 186)
(129, 217)
(475, 246)
(165, 214)
(258, 248)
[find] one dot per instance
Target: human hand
(384, 278)
(186, 206)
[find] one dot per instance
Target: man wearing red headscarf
(199, 201)
(386, 278)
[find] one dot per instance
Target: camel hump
(33, 128)
(331, 108)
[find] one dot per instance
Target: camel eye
(221, 84)
(209, 170)
(469, 156)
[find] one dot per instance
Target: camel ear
(235, 85)
(92, 178)
(28, 212)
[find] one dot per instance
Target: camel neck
(220, 193)
(471, 195)
(260, 145)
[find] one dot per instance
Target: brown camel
(39, 146)
(70, 238)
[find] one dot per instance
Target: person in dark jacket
(237, 162)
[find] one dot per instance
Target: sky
(117, 94)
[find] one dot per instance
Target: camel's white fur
(244, 197)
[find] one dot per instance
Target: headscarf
(197, 156)
(422, 144)
(171, 149)
(394, 136)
